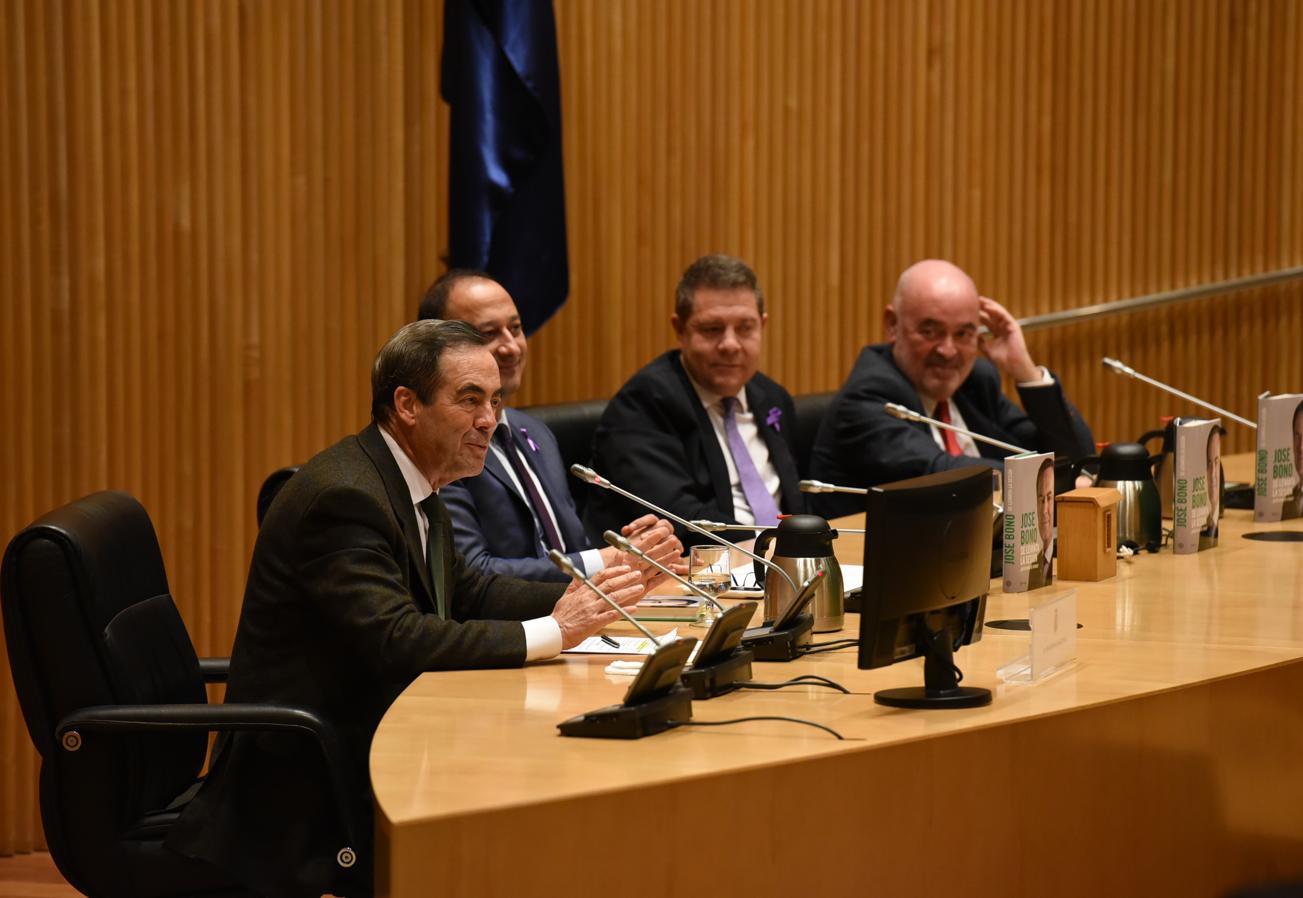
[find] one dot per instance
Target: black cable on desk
(802, 680)
(722, 723)
(815, 648)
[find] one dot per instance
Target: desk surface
(478, 752)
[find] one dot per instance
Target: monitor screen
(927, 555)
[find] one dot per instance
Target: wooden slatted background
(213, 213)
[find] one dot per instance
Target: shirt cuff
(591, 560)
(542, 638)
(1046, 380)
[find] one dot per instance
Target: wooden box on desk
(1088, 533)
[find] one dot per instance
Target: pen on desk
(609, 641)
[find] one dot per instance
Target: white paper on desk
(628, 645)
(631, 668)
(852, 576)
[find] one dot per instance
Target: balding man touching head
(936, 362)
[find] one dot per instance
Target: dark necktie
(551, 539)
(951, 439)
(753, 487)
(434, 551)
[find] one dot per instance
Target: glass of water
(708, 571)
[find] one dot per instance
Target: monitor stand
(941, 687)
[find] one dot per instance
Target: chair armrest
(239, 716)
(191, 716)
(215, 670)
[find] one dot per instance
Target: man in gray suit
(354, 590)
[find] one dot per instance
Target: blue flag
(506, 199)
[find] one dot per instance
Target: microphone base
(720, 677)
(782, 645)
(632, 721)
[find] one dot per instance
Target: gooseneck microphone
(1128, 371)
(904, 414)
(568, 568)
(588, 475)
(617, 541)
(717, 526)
(818, 486)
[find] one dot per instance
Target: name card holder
(1053, 644)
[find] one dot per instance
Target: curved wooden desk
(1165, 762)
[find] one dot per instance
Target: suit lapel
(715, 464)
(494, 466)
(780, 454)
(400, 498)
(557, 494)
(978, 422)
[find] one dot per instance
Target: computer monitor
(927, 553)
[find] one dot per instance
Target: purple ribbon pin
(533, 447)
(774, 418)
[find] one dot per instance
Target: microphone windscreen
(564, 564)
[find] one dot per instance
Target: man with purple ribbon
(507, 518)
(700, 431)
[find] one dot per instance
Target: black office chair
(574, 424)
(810, 410)
(113, 696)
(271, 487)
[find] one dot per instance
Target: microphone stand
(904, 414)
(1127, 370)
(568, 567)
(818, 486)
(718, 526)
(588, 475)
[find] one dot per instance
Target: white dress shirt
(756, 448)
(966, 443)
(542, 634)
(589, 559)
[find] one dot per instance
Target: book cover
(1196, 496)
(1278, 486)
(1028, 521)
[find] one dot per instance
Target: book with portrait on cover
(1278, 484)
(1196, 494)
(1028, 521)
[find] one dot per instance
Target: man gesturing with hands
(938, 362)
(355, 589)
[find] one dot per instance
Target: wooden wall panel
(1064, 153)
(208, 209)
(213, 212)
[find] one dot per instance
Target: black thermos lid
(804, 536)
(1125, 461)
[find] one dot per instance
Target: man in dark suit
(506, 519)
(1293, 504)
(1213, 481)
(1042, 572)
(353, 591)
(699, 431)
(931, 365)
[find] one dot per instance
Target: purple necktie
(753, 487)
(552, 539)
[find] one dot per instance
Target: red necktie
(942, 414)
